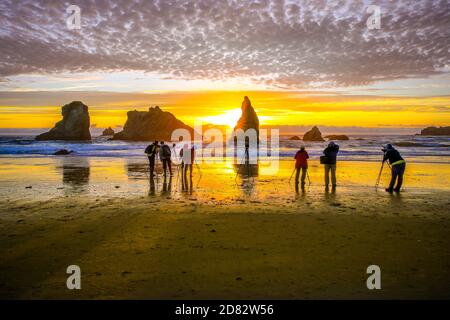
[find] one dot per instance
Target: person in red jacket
(301, 163)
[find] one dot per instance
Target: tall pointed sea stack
(74, 125)
(249, 118)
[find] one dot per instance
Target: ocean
(359, 148)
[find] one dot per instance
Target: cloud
(279, 43)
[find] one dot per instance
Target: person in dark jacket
(331, 152)
(152, 150)
(301, 163)
(165, 155)
(398, 166)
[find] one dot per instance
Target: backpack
(150, 150)
(324, 160)
(166, 151)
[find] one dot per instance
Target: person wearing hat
(398, 166)
(330, 153)
(301, 163)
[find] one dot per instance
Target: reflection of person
(247, 146)
(151, 151)
(152, 190)
(164, 154)
(330, 153)
(167, 186)
(301, 164)
(398, 166)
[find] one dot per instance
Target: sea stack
(74, 125)
(249, 118)
(313, 135)
(153, 124)
(337, 137)
(436, 131)
(108, 132)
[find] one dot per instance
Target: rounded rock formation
(108, 132)
(337, 137)
(74, 125)
(434, 131)
(153, 124)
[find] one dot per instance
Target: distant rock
(62, 152)
(74, 125)
(313, 135)
(150, 125)
(108, 132)
(295, 138)
(409, 144)
(249, 118)
(436, 131)
(337, 137)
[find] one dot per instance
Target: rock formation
(62, 152)
(153, 124)
(434, 131)
(337, 137)
(249, 118)
(74, 125)
(313, 135)
(295, 138)
(108, 132)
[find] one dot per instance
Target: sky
(302, 63)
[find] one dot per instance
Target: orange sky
(222, 107)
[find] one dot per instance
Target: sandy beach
(229, 236)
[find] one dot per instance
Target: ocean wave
(368, 149)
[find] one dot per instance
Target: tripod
(379, 176)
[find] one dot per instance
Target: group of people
(163, 150)
(329, 158)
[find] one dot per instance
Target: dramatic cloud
(293, 44)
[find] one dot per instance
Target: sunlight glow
(228, 118)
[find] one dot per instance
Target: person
(165, 154)
(247, 146)
(174, 147)
(301, 163)
(151, 151)
(398, 166)
(330, 153)
(188, 159)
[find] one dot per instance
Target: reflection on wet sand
(246, 172)
(186, 183)
(167, 186)
(76, 175)
(302, 188)
(137, 170)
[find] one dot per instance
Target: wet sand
(227, 237)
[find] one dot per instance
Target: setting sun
(228, 118)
